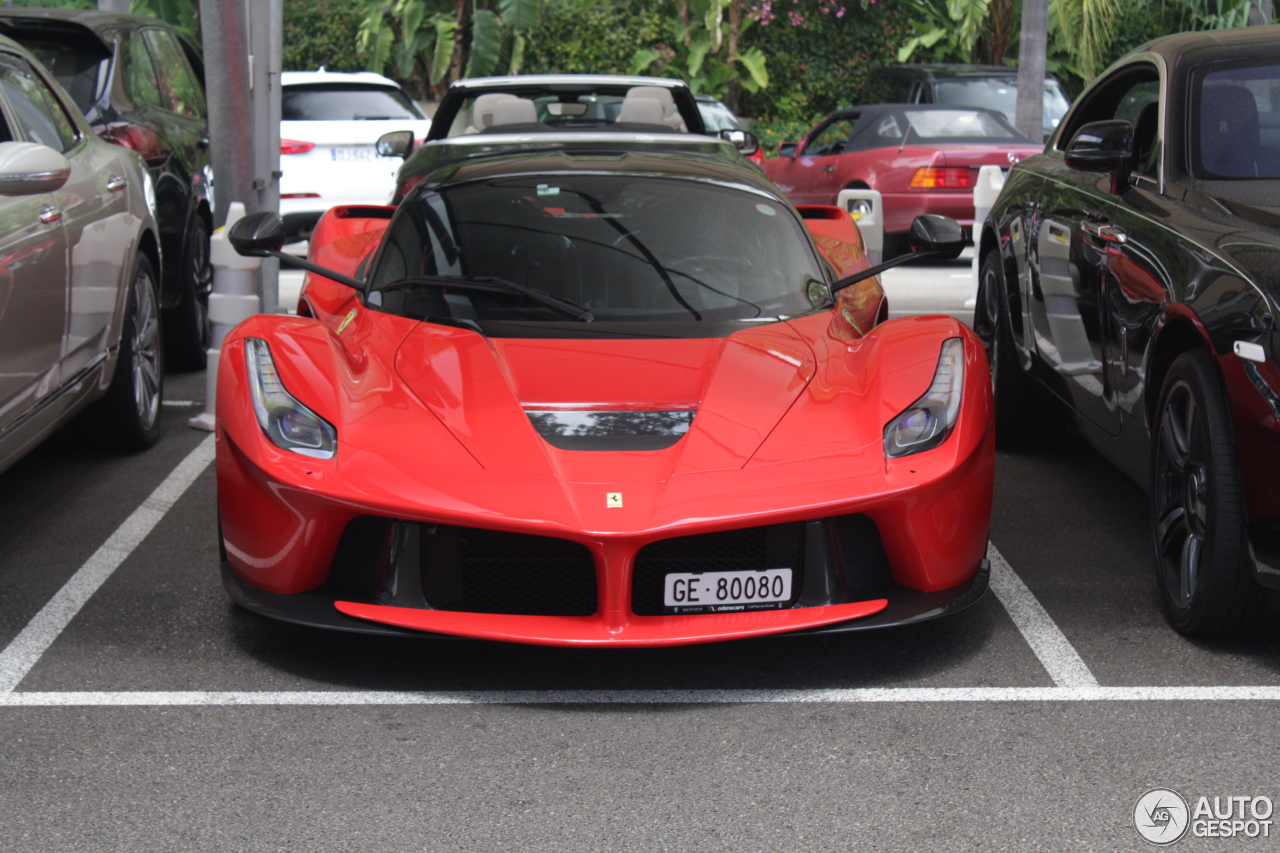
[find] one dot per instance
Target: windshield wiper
(486, 282)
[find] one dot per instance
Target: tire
(187, 324)
(128, 417)
(1198, 519)
(1020, 409)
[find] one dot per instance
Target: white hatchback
(330, 124)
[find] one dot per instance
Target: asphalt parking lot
(141, 710)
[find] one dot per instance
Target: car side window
(34, 107)
(140, 73)
(1124, 96)
(179, 92)
(830, 138)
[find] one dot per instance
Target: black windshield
(632, 250)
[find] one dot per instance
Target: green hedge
(822, 66)
(577, 37)
(322, 32)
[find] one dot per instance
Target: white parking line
(1072, 679)
(21, 655)
(644, 697)
(1056, 654)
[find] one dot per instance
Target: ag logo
(1161, 816)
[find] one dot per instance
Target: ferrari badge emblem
(613, 500)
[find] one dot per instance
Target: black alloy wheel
(1019, 408)
(128, 416)
(1198, 516)
(187, 324)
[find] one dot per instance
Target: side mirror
(260, 235)
(787, 149)
(397, 143)
(939, 236)
(1101, 146)
(935, 237)
(27, 169)
(257, 234)
(743, 140)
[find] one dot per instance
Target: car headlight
(927, 422)
(286, 422)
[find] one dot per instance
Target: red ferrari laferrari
(600, 397)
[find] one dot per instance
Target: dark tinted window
(139, 71)
(887, 88)
(1237, 122)
(1123, 96)
(627, 249)
(346, 103)
(82, 73)
(179, 91)
(34, 107)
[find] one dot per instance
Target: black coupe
(1132, 272)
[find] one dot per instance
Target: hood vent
(612, 429)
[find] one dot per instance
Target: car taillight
(299, 195)
(295, 146)
(946, 179)
(136, 137)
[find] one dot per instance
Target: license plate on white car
(720, 592)
(352, 155)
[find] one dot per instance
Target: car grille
(491, 571)
(774, 546)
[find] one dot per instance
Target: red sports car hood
(483, 389)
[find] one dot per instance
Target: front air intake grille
(775, 546)
(491, 571)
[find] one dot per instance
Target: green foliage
(945, 30)
(182, 14)
(822, 66)
(772, 132)
(702, 50)
(427, 41)
(60, 4)
(593, 36)
(320, 32)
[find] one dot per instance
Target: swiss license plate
(352, 155)
(717, 592)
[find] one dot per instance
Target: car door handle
(115, 183)
(50, 214)
(1109, 233)
(829, 168)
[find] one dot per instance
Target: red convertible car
(600, 398)
(922, 158)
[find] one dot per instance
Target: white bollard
(234, 299)
(985, 193)
(867, 210)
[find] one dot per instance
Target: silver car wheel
(145, 348)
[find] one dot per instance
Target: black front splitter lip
(910, 606)
(313, 609)
(906, 607)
